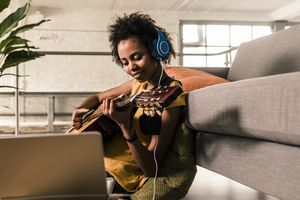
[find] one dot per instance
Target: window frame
(216, 22)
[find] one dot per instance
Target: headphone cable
(156, 170)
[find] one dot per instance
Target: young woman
(154, 154)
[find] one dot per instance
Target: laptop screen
(52, 166)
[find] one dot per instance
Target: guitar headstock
(157, 98)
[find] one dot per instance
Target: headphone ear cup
(160, 45)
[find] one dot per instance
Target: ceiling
(277, 9)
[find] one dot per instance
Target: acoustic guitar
(152, 101)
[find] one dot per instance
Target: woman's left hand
(110, 109)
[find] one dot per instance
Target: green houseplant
(14, 49)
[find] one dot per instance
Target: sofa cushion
(266, 108)
(192, 79)
(273, 54)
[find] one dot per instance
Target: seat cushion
(192, 79)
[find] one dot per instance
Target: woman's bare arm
(145, 156)
(95, 100)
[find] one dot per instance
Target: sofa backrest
(273, 54)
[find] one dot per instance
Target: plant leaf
(27, 27)
(18, 57)
(4, 4)
(6, 41)
(14, 48)
(12, 40)
(11, 21)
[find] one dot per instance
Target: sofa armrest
(266, 108)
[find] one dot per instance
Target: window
(209, 39)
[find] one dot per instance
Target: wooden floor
(211, 186)
(30, 127)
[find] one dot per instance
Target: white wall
(86, 30)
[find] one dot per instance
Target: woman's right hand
(77, 115)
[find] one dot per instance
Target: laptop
(52, 166)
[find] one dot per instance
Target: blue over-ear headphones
(160, 46)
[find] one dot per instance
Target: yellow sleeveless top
(118, 158)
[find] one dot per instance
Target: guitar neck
(161, 97)
(99, 111)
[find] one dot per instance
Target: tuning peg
(147, 112)
(158, 112)
(157, 105)
(152, 112)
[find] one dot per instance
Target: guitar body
(96, 121)
(105, 125)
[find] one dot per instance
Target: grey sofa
(249, 129)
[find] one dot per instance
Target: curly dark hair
(138, 25)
